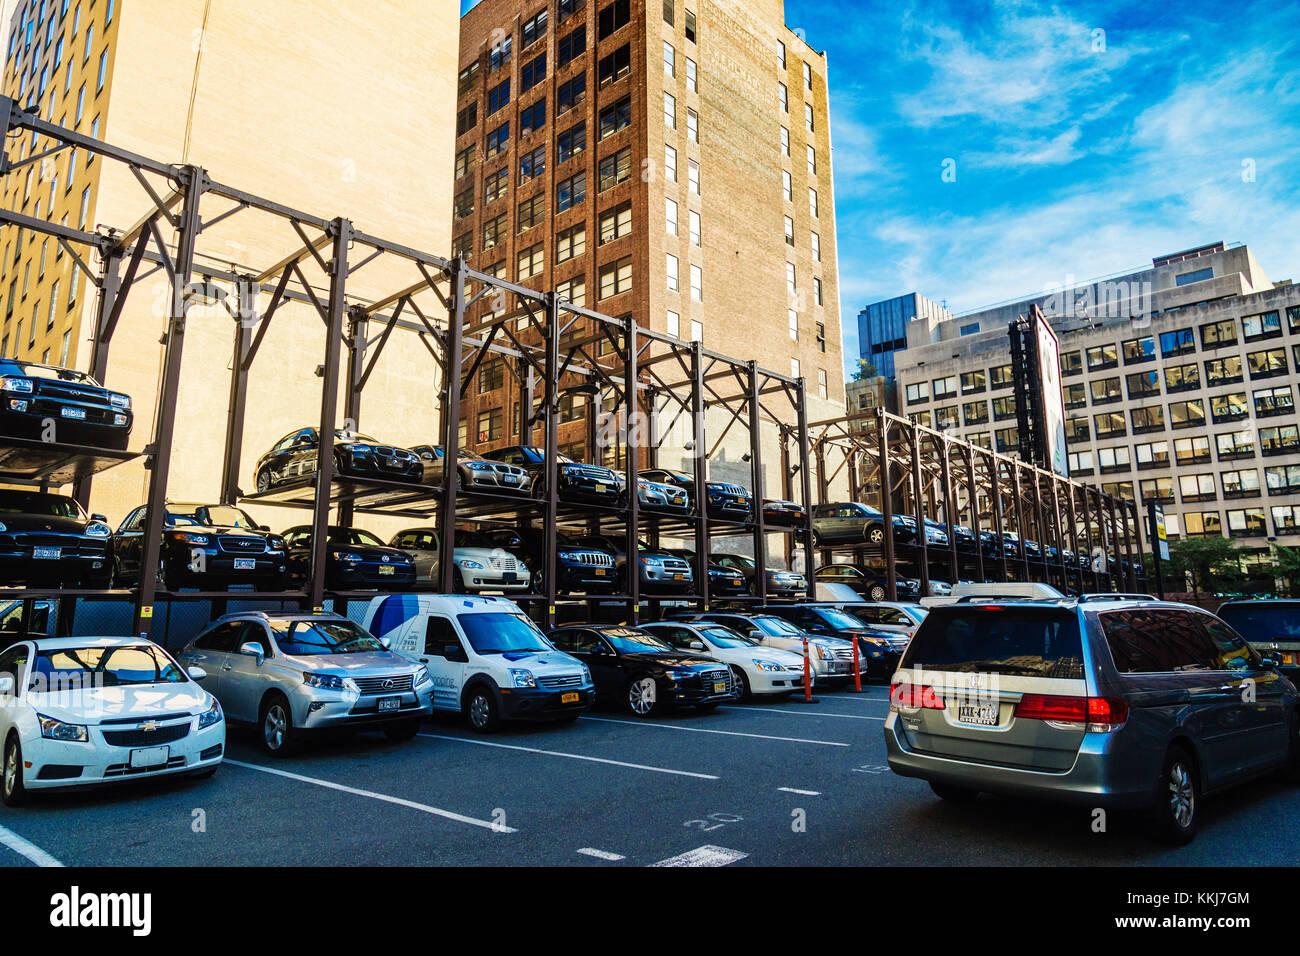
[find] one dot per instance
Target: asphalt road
(773, 783)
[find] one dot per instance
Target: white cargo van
(488, 661)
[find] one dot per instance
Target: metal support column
(919, 507)
(972, 491)
(756, 475)
(950, 510)
(631, 445)
(886, 503)
(550, 464)
(235, 410)
(355, 342)
(999, 529)
(701, 472)
(1074, 538)
(1020, 517)
(805, 486)
(110, 287)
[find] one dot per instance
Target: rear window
(1264, 622)
(1023, 642)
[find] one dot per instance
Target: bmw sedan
(81, 711)
(355, 456)
(354, 560)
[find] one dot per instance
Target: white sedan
(756, 669)
(76, 711)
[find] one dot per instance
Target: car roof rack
(1114, 596)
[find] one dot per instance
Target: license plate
(509, 577)
(46, 553)
(983, 714)
(245, 564)
(719, 687)
(1290, 659)
(78, 413)
(389, 703)
(679, 577)
(150, 757)
(386, 569)
(571, 698)
(600, 571)
(601, 488)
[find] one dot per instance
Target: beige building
(1179, 384)
(338, 109)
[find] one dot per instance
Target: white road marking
(27, 849)
(805, 713)
(558, 753)
(601, 854)
(704, 856)
(802, 793)
(386, 798)
(706, 730)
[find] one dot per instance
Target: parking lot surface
(771, 783)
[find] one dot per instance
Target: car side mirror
(698, 646)
(1271, 659)
(455, 653)
(254, 650)
(599, 649)
(196, 673)
(99, 518)
(387, 642)
(6, 685)
(755, 635)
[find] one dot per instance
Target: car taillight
(1098, 714)
(914, 697)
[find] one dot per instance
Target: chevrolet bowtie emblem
(149, 726)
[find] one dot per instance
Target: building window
(1282, 479)
(1109, 424)
(1187, 278)
(972, 382)
(1223, 371)
(1235, 445)
(1228, 408)
(533, 29)
(1105, 391)
(615, 169)
(1267, 325)
(792, 320)
(571, 46)
(787, 186)
(693, 176)
(812, 202)
(816, 247)
(573, 290)
(489, 425)
(613, 17)
(1141, 384)
(694, 218)
(1157, 489)
(1074, 396)
(1111, 460)
(1152, 455)
(570, 192)
(1177, 342)
(1279, 440)
(494, 186)
(670, 111)
(494, 231)
(670, 216)
(1240, 484)
(1080, 463)
(918, 392)
(692, 125)
(462, 203)
(532, 117)
(1270, 402)
(794, 368)
(697, 284)
(1140, 350)
(616, 278)
(465, 161)
(1000, 376)
(945, 387)
(692, 76)
(808, 117)
(1247, 523)
(1202, 524)
(616, 117)
(1196, 488)
(975, 413)
(690, 25)
(822, 388)
(671, 264)
(782, 97)
(674, 324)
(532, 73)
(1004, 408)
(1218, 334)
(1182, 378)
(532, 164)
(1188, 414)
(668, 12)
(498, 97)
(615, 223)
(465, 81)
(570, 94)
(670, 59)
(1193, 450)
(571, 243)
(614, 66)
(498, 141)
(697, 331)
(531, 212)
(1103, 356)
(571, 142)
(785, 141)
(670, 164)
(1267, 364)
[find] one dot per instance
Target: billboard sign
(1052, 421)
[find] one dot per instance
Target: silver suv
(1101, 700)
(291, 672)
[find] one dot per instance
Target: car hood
(669, 659)
(97, 704)
(743, 655)
(374, 551)
(220, 529)
(363, 664)
(25, 522)
(541, 662)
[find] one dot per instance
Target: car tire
(263, 481)
(877, 592)
(276, 732)
(741, 683)
(402, 730)
(1178, 798)
(952, 794)
(876, 534)
(481, 710)
(642, 696)
(13, 790)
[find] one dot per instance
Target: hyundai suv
(1102, 700)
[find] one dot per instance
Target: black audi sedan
(47, 539)
(641, 672)
(61, 405)
(203, 546)
(724, 500)
(355, 560)
(593, 484)
(579, 568)
(355, 456)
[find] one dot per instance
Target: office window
(945, 387)
(1228, 408)
(1293, 318)
(1279, 439)
(697, 284)
(465, 81)
(782, 97)
(1139, 350)
(694, 218)
(975, 413)
(1000, 376)
(692, 76)
(616, 222)
(670, 216)
(1187, 278)
(672, 272)
(1071, 362)
(571, 46)
(812, 161)
(571, 243)
(1202, 524)
(1223, 371)
(1074, 396)
(530, 261)
(1157, 489)
(1004, 408)
(1007, 440)
(1247, 523)
(498, 141)
(808, 117)
(532, 117)
(573, 290)
(570, 94)
(690, 25)
(807, 76)
(817, 291)
(498, 96)
(616, 117)
(1274, 401)
(533, 29)
(670, 59)
(1196, 488)
(616, 277)
(467, 119)
(693, 176)
(780, 54)
(1103, 356)
(1108, 424)
(670, 164)
(674, 324)
(1177, 342)
(1182, 378)
(1234, 445)
(1111, 460)
(494, 231)
(1187, 414)
(1080, 463)
(571, 142)
(812, 202)
(615, 169)
(668, 12)
(1267, 325)
(785, 141)
(816, 247)
(791, 279)
(670, 111)
(489, 424)
(692, 125)
(612, 17)
(614, 66)
(532, 164)
(792, 320)
(1140, 384)
(918, 392)
(1282, 479)
(570, 192)
(462, 204)
(1105, 390)
(532, 212)
(465, 160)
(787, 187)
(494, 185)
(1240, 484)
(1218, 334)
(972, 382)
(1152, 454)
(1192, 450)
(1267, 364)
(532, 73)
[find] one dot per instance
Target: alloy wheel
(1182, 795)
(274, 726)
(641, 696)
(11, 768)
(478, 711)
(876, 535)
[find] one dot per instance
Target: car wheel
(877, 592)
(278, 737)
(14, 793)
(876, 534)
(946, 791)
(740, 683)
(816, 539)
(263, 480)
(1178, 799)
(481, 710)
(402, 729)
(642, 696)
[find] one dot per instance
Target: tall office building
(882, 328)
(670, 161)
(315, 105)
(1179, 383)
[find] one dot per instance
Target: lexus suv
(82, 411)
(355, 456)
(47, 539)
(1104, 701)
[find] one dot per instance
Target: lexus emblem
(388, 683)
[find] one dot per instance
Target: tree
(1285, 563)
(865, 370)
(1212, 562)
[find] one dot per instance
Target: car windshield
(58, 374)
(497, 632)
(632, 640)
(840, 620)
(224, 516)
(353, 536)
(725, 637)
(741, 561)
(74, 667)
(776, 626)
(354, 436)
(177, 519)
(38, 503)
(1264, 622)
(307, 638)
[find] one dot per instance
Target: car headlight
(210, 716)
(586, 675)
(523, 678)
(479, 466)
(324, 681)
(119, 400)
(469, 565)
(190, 538)
(274, 543)
(823, 653)
(58, 730)
(422, 676)
(14, 384)
(770, 666)
(97, 529)
(678, 675)
(349, 556)
(3, 527)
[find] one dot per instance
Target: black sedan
(867, 581)
(61, 405)
(880, 649)
(47, 539)
(579, 568)
(203, 546)
(355, 560)
(355, 456)
(725, 500)
(723, 582)
(787, 514)
(592, 484)
(642, 672)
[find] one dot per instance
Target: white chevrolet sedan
(76, 711)
(755, 669)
